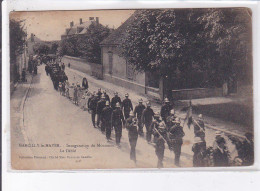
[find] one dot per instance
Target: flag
(189, 115)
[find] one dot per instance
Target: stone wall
(196, 93)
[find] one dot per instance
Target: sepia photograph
(131, 89)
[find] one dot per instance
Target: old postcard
(119, 89)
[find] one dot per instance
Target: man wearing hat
(138, 113)
(92, 95)
(170, 120)
(165, 109)
(93, 108)
(160, 135)
(99, 93)
(147, 119)
(221, 154)
(100, 106)
(114, 100)
(199, 128)
(117, 122)
(127, 106)
(155, 123)
(106, 96)
(106, 119)
(175, 142)
(131, 125)
(198, 149)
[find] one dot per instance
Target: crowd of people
(163, 128)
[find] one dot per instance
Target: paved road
(53, 124)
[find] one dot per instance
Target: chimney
(97, 20)
(71, 24)
(80, 21)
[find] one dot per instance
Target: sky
(50, 25)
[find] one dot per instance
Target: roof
(116, 37)
(73, 30)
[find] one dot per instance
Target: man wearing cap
(175, 142)
(114, 100)
(106, 96)
(199, 128)
(93, 108)
(100, 106)
(221, 154)
(127, 106)
(131, 125)
(198, 149)
(147, 119)
(138, 113)
(160, 135)
(165, 109)
(106, 119)
(117, 122)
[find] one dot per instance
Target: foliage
(86, 45)
(17, 38)
(189, 47)
(41, 48)
(54, 48)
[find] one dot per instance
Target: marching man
(160, 135)
(138, 113)
(147, 119)
(117, 122)
(131, 125)
(127, 106)
(106, 118)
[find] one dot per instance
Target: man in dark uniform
(138, 113)
(165, 109)
(170, 119)
(99, 93)
(106, 96)
(131, 125)
(100, 106)
(176, 134)
(89, 99)
(199, 128)
(114, 100)
(160, 135)
(221, 154)
(93, 108)
(147, 119)
(199, 149)
(117, 120)
(106, 119)
(127, 106)
(155, 123)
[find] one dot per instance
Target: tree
(86, 45)
(89, 43)
(189, 47)
(41, 48)
(54, 48)
(17, 39)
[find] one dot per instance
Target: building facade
(118, 71)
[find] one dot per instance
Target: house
(118, 71)
(79, 29)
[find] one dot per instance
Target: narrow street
(54, 126)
